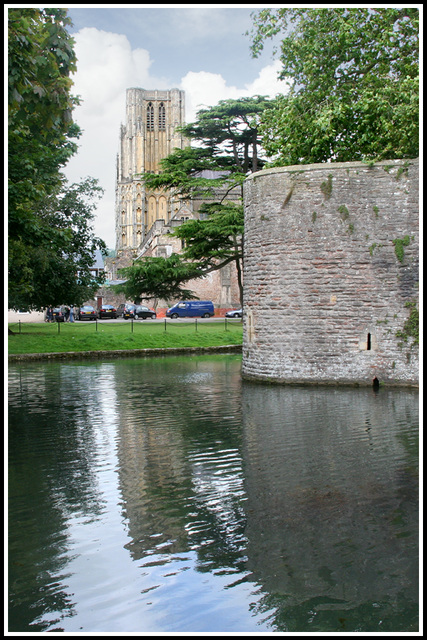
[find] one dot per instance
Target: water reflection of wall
(331, 491)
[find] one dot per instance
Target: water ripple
(153, 496)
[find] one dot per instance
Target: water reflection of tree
(182, 412)
(51, 478)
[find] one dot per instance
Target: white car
(234, 313)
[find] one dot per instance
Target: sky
(201, 49)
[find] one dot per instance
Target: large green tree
(54, 265)
(354, 84)
(228, 148)
(44, 241)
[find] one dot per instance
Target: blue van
(191, 309)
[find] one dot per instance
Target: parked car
(129, 311)
(144, 312)
(191, 309)
(234, 313)
(107, 311)
(87, 312)
(121, 309)
(58, 314)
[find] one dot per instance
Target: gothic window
(162, 116)
(150, 117)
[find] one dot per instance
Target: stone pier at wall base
(331, 273)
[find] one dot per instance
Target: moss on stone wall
(326, 187)
(399, 243)
(411, 328)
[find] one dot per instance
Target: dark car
(121, 309)
(107, 311)
(128, 311)
(58, 314)
(234, 313)
(87, 313)
(144, 312)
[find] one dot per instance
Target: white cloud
(207, 89)
(203, 89)
(107, 66)
(267, 82)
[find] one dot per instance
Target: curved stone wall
(330, 272)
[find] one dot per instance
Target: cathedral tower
(149, 135)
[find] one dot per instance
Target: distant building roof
(98, 262)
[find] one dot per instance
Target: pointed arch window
(162, 116)
(150, 117)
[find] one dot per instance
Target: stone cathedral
(149, 135)
(145, 219)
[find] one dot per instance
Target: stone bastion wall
(331, 264)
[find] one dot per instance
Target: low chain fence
(20, 326)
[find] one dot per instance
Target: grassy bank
(106, 335)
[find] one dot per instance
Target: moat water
(167, 495)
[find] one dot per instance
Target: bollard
(196, 324)
(131, 324)
(165, 324)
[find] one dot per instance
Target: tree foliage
(229, 147)
(53, 266)
(41, 129)
(157, 277)
(184, 172)
(50, 238)
(355, 84)
(216, 241)
(231, 131)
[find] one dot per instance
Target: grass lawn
(105, 335)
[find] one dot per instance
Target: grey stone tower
(149, 135)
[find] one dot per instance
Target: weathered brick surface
(324, 291)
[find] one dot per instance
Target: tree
(355, 84)
(50, 238)
(216, 241)
(229, 148)
(157, 277)
(40, 60)
(231, 131)
(54, 266)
